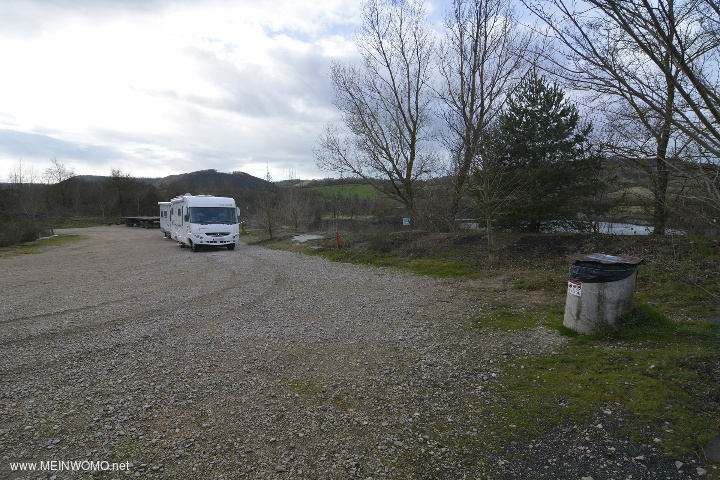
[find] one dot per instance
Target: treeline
(483, 105)
(31, 202)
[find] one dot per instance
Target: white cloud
(162, 87)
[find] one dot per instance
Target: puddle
(306, 237)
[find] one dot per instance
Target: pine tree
(544, 141)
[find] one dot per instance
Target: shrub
(15, 232)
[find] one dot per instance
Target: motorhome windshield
(224, 215)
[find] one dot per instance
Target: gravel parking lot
(126, 350)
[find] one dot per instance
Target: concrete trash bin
(600, 289)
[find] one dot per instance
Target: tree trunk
(490, 245)
(661, 212)
(460, 181)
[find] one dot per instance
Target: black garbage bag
(591, 272)
(601, 268)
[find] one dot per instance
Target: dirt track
(250, 363)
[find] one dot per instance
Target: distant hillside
(206, 180)
(101, 178)
(196, 182)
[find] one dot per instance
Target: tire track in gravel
(129, 314)
(254, 344)
(62, 334)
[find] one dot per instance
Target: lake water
(607, 228)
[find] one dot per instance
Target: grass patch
(662, 375)
(39, 246)
(436, 267)
(665, 290)
(506, 316)
(552, 281)
(363, 191)
(641, 322)
(376, 254)
(84, 222)
(681, 275)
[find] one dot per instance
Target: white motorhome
(165, 212)
(197, 220)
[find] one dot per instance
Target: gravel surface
(126, 350)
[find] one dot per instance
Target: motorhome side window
(186, 215)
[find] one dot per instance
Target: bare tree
(24, 181)
(295, 202)
(482, 57)
(121, 185)
(58, 174)
(103, 198)
(679, 38)
(688, 33)
(700, 201)
(21, 173)
(386, 104)
(710, 184)
(268, 206)
(494, 186)
(651, 64)
(74, 193)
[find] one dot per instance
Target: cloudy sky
(159, 87)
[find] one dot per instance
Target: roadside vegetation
(14, 233)
(38, 246)
(656, 371)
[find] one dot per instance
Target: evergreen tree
(544, 142)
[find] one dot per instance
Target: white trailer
(197, 220)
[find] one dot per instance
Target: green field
(363, 191)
